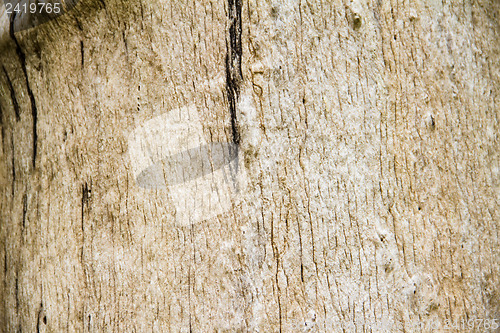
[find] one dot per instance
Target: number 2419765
(33, 8)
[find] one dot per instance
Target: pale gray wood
(366, 196)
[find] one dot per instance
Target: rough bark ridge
(369, 136)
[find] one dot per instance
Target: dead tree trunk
(220, 165)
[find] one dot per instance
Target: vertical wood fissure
(234, 75)
(34, 112)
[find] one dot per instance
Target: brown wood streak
(234, 75)
(34, 111)
(13, 97)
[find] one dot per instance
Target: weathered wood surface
(367, 191)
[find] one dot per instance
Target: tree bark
(329, 166)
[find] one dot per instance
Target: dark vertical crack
(142, 15)
(86, 195)
(82, 53)
(12, 95)
(38, 318)
(25, 209)
(22, 59)
(41, 318)
(86, 192)
(5, 263)
(17, 298)
(13, 161)
(78, 24)
(124, 38)
(301, 253)
(234, 75)
(16, 291)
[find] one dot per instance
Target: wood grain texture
(369, 167)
